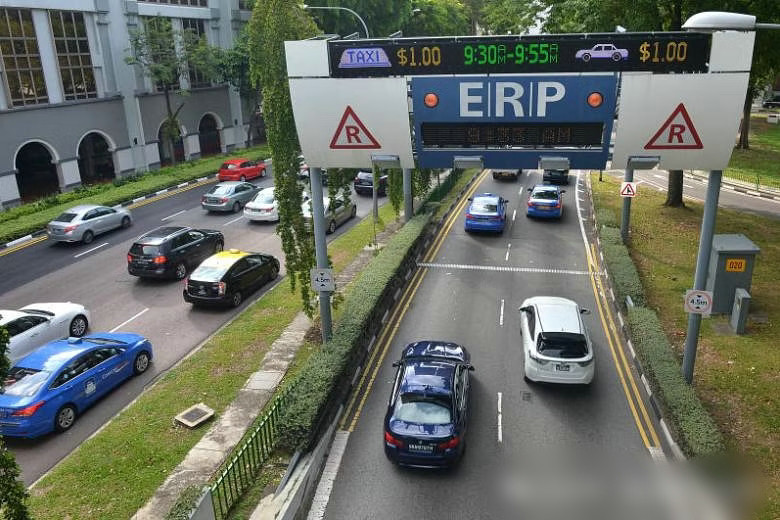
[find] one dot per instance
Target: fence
(754, 179)
(250, 456)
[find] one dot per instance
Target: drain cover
(195, 415)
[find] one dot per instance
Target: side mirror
(524, 309)
(396, 364)
(530, 190)
(471, 199)
(563, 191)
(584, 311)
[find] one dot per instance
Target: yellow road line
(386, 337)
(18, 247)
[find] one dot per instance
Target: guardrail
(250, 456)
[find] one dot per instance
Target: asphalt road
(95, 275)
(549, 441)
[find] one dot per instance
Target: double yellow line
(385, 339)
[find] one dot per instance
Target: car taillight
(223, 200)
(69, 229)
(450, 444)
(389, 439)
(129, 258)
(160, 259)
(203, 198)
(557, 205)
(186, 281)
(469, 215)
(538, 360)
(29, 410)
(531, 204)
(221, 288)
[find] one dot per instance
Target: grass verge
(759, 163)
(736, 376)
(17, 222)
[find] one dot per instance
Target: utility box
(739, 313)
(731, 267)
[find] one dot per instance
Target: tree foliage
(273, 22)
(509, 16)
(438, 18)
(13, 494)
(381, 17)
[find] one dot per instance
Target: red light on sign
(431, 100)
(595, 99)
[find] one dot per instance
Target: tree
(13, 494)
(438, 18)
(509, 16)
(273, 22)
(381, 17)
(166, 55)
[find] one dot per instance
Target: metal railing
(755, 179)
(249, 458)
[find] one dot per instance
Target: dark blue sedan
(425, 424)
(487, 212)
(46, 390)
(545, 201)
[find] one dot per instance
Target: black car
(226, 278)
(427, 415)
(364, 184)
(556, 176)
(172, 252)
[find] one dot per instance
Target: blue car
(425, 423)
(487, 212)
(46, 390)
(545, 201)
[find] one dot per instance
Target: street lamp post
(365, 28)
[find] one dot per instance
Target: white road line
(508, 248)
(500, 428)
(234, 220)
(514, 214)
(90, 250)
(324, 487)
(128, 321)
(509, 269)
(171, 216)
(501, 315)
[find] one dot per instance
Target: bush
(606, 217)
(610, 235)
(693, 427)
(319, 382)
(624, 274)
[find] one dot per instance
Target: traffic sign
(322, 280)
(352, 134)
(677, 133)
(698, 302)
(628, 189)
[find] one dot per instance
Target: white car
(556, 345)
(38, 323)
(264, 206)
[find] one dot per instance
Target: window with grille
(191, 3)
(197, 28)
(21, 59)
(72, 46)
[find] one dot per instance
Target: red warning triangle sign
(352, 133)
(628, 190)
(677, 133)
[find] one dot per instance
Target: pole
(408, 200)
(320, 247)
(375, 197)
(626, 219)
(702, 264)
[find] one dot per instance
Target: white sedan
(265, 207)
(38, 323)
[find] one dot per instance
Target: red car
(241, 170)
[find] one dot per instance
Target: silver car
(228, 196)
(83, 223)
(336, 213)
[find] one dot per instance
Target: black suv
(364, 183)
(171, 252)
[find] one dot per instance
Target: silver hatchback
(228, 196)
(83, 223)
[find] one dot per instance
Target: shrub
(693, 427)
(623, 272)
(606, 217)
(610, 235)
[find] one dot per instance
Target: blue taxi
(486, 212)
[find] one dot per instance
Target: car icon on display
(602, 51)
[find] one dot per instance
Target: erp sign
(513, 121)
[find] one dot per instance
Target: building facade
(73, 112)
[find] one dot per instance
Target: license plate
(562, 367)
(545, 208)
(422, 448)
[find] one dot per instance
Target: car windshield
(229, 166)
(65, 217)
(545, 194)
(366, 176)
(484, 206)
(22, 381)
(422, 409)
(212, 269)
(145, 249)
(563, 345)
(265, 197)
(221, 189)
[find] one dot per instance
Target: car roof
(426, 376)
(55, 354)
(7, 316)
(234, 254)
(445, 350)
(157, 235)
(485, 196)
(230, 183)
(545, 187)
(555, 314)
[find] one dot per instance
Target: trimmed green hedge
(624, 274)
(320, 378)
(606, 217)
(440, 191)
(695, 430)
(610, 235)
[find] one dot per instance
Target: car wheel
(243, 178)
(181, 271)
(65, 418)
(236, 207)
(353, 212)
(616, 57)
(274, 273)
(219, 246)
(125, 222)
(236, 299)
(87, 237)
(586, 57)
(141, 363)
(78, 326)
(332, 227)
